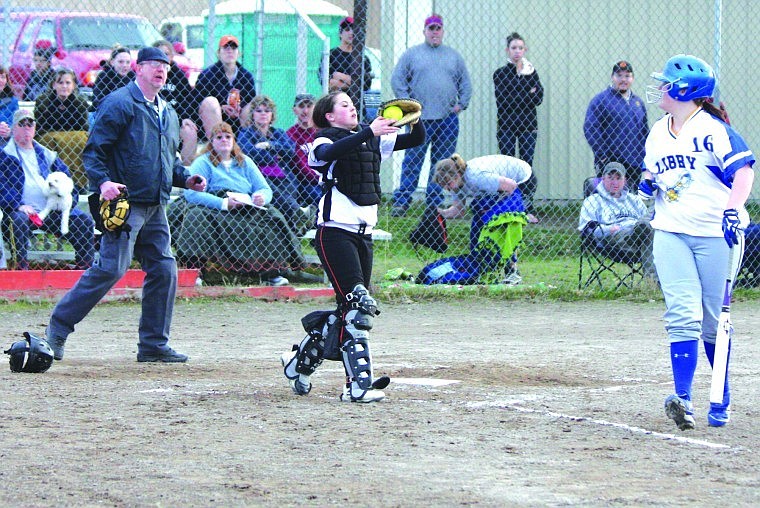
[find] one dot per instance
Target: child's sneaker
(718, 415)
(680, 411)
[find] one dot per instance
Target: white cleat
(366, 397)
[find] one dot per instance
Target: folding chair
(601, 262)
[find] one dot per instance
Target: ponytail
(718, 111)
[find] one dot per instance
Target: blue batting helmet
(689, 73)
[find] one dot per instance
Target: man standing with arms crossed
(133, 145)
(436, 76)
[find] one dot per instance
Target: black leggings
(346, 258)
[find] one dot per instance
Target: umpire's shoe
(680, 411)
(165, 355)
(56, 344)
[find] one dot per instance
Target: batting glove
(647, 189)
(731, 227)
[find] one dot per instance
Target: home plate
(424, 381)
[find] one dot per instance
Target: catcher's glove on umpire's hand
(115, 212)
(411, 108)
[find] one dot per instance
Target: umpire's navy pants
(149, 243)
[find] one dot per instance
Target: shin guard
(357, 360)
(300, 363)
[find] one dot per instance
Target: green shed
(283, 55)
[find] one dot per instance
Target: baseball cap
(304, 97)
(346, 22)
(623, 66)
(148, 54)
(228, 39)
(22, 114)
(434, 19)
(614, 167)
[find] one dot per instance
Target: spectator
(435, 75)
(133, 145)
(8, 106)
(180, 95)
(241, 229)
(225, 89)
(117, 72)
(518, 92)
(622, 217)
(42, 75)
(616, 124)
(302, 133)
(492, 183)
(274, 153)
(24, 165)
(345, 72)
(62, 123)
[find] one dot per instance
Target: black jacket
(515, 103)
(107, 81)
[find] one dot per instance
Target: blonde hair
(266, 101)
(446, 170)
(237, 153)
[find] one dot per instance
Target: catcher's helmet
(683, 72)
(30, 355)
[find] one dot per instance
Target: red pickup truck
(82, 40)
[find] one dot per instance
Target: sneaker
(298, 384)
(398, 211)
(680, 411)
(718, 415)
(56, 344)
(369, 395)
(198, 282)
(278, 280)
(532, 219)
(164, 356)
(512, 279)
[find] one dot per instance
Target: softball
(393, 113)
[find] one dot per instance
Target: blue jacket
(126, 145)
(282, 151)
(8, 106)
(616, 128)
(12, 177)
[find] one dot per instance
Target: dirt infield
(493, 404)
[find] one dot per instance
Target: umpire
(133, 145)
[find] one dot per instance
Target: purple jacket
(616, 128)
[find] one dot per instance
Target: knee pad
(360, 309)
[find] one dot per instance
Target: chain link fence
(560, 86)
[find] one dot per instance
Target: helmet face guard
(685, 78)
(30, 355)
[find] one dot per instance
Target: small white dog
(58, 189)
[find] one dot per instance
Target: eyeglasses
(434, 28)
(262, 110)
(27, 122)
(156, 64)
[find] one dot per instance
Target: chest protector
(356, 174)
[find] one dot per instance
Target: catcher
(348, 156)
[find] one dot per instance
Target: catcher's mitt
(115, 212)
(412, 110)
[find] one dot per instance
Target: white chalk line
(672, 437)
